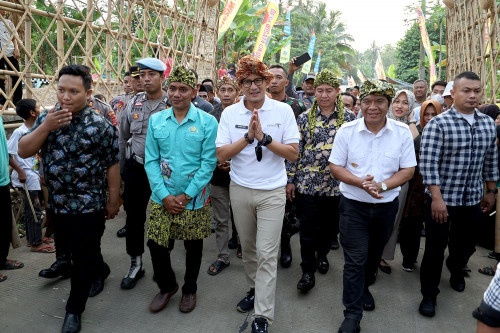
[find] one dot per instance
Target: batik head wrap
(249, 65)
(377, 87)
(183, 75)
(226, 79)
(326, 76)
(411, 106)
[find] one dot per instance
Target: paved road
(32, 304)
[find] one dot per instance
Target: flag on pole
(287, 31)
(379, 67)
(227, 15)
(265, 30)
(361, 76)
(318, 60)
(487, 28)
(427, 45)
(350, 81)
(306, 68)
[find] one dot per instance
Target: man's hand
(226, 166)
(22, 176)
(372, 187)
(56, 120)
(112, 209)
(259, 135)
(291, 66)
(17, 54)
(290, 192)
(411, 115)
(173, 205)
(251, 126)
(488, 202)
(439, 212)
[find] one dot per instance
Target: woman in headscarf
(401, 110)
(493, 111)
(414, 214)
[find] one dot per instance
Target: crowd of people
(357, 169)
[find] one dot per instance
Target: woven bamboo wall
(109, 36)
(468, 22)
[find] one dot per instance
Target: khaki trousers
(221, 212)
(258, 218)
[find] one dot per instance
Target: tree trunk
(440, 46)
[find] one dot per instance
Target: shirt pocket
(136, 123)
(162, 136)
(193, 143)
(356, 160)
(390, 161)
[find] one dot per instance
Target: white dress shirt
(382, 155)
(277, 119)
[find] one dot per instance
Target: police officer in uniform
(104, 109)
(133, 130)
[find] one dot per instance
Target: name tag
(241, 126)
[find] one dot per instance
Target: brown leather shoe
(160, 301)
(188, 302)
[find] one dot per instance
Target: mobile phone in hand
(299, 61)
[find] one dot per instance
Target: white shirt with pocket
(381, 155)
(30, 165)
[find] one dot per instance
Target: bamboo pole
(88, 30)
(27, 45)
(60, 36)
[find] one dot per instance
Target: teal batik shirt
(180, 158)
(4, 157)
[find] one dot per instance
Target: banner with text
(306, 68)
(227, 15)
(318, 61)
(427, 46)
(287, 31)
(265, 31)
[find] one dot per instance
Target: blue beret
(152, 63)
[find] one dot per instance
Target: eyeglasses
(248, 83)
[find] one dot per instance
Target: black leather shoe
(129, 282)
(427, 306)
(323, 265)
(286, 252)
(335, 244)
(457, 282)
(385, 268)
(350, 326)
(122, 232)
(59, 268)
(98, 284)
(233, 243)
(72, 323)
(368, 301)
(306, 283)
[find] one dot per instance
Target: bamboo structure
(108, 36)
(473, 41)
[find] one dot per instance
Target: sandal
(46, 248)
(488, 270)
(48, 240)
(218, 265)
(11, 264)
(3, 277)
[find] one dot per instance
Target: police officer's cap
(152, 63)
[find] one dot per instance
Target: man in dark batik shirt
(277, 89)
(81, 158)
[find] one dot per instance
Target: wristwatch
(495, 191)
(187, 196)
(413, 121)
(267, 139)
(384, 186)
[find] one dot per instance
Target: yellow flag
(227, 15)
(427, 46)
(265, 31)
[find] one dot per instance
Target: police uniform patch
(139, 104)
(91, 103)
(135, 116)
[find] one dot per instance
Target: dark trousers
(135, 201)
(409, 238)
(18, 92)
(364, 230)
(81, 234)
(162, 266)
(319, 223)
(5, 222)
(458, 233)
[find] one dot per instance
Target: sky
(381, 21)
